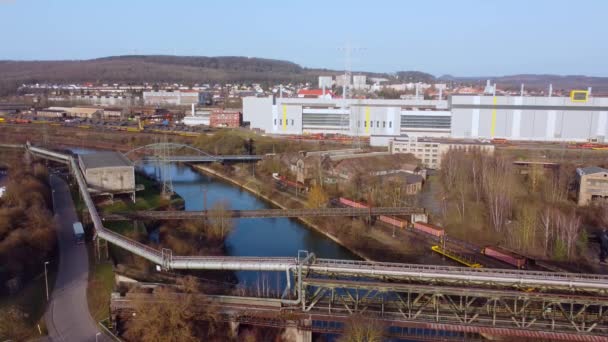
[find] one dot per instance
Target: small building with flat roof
(108, 173)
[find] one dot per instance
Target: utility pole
(46, 281)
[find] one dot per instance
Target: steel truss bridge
(548, 305)
(173, 152)
(262, 213)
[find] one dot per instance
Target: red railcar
(429, 229)
(508, 257)
(393, 221)
(353, 204)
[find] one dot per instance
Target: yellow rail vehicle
(456, 257)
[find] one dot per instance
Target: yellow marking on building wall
(579, 95)
(284, 117)
(493, 124)
(366, 119)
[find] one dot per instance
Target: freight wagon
(291, 184)
(508, 257)
(352, 204)
(393, 221)
(429, 229)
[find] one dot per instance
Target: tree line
(529, 212)
(27, 229)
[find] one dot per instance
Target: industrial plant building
(108, 173)
(172, 98)
(461, 116)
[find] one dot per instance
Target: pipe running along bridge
(261, 213)
(569, 306)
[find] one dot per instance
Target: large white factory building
(462, 116)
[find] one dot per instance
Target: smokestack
(550, 89)
(193, 109)
(588, 91)
(323, 92)
(281, 91)
(440, 93)
(494, 90)
(522, 90)
(417, 91)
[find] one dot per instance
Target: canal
(250, 237)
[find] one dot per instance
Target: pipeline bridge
(261, 213)
(551, 305)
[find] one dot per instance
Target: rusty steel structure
(263, 213)
(530, 313)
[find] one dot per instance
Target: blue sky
(458, 37)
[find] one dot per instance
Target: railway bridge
(568, 306)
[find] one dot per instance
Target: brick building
(222, 118)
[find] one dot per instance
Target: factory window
(358, 123)
(383, 124)
(292, 122)
(280, 121)
(378, 124)
(365, 124)
(390, 124)
(275, 122)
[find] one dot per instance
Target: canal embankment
(368, 243)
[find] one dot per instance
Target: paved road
(67, 316)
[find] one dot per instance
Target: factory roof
(103, 159)
(590, 170)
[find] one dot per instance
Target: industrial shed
(108, 173)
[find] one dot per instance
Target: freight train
(438, 233)
(421, 227)
(283, 181)
(511, 258)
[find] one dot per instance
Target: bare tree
(359, 328)
(547, 222)
(13, 324)
(220, 222)
(569, 225)
(168, 319)
(476, 168)
(498, 190)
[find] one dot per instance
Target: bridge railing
(464, 271)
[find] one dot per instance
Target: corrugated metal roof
(591, 170)
(104, 159)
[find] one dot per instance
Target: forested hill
(135, 69)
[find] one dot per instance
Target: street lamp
(46, 281)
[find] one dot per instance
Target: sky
(456, 37)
